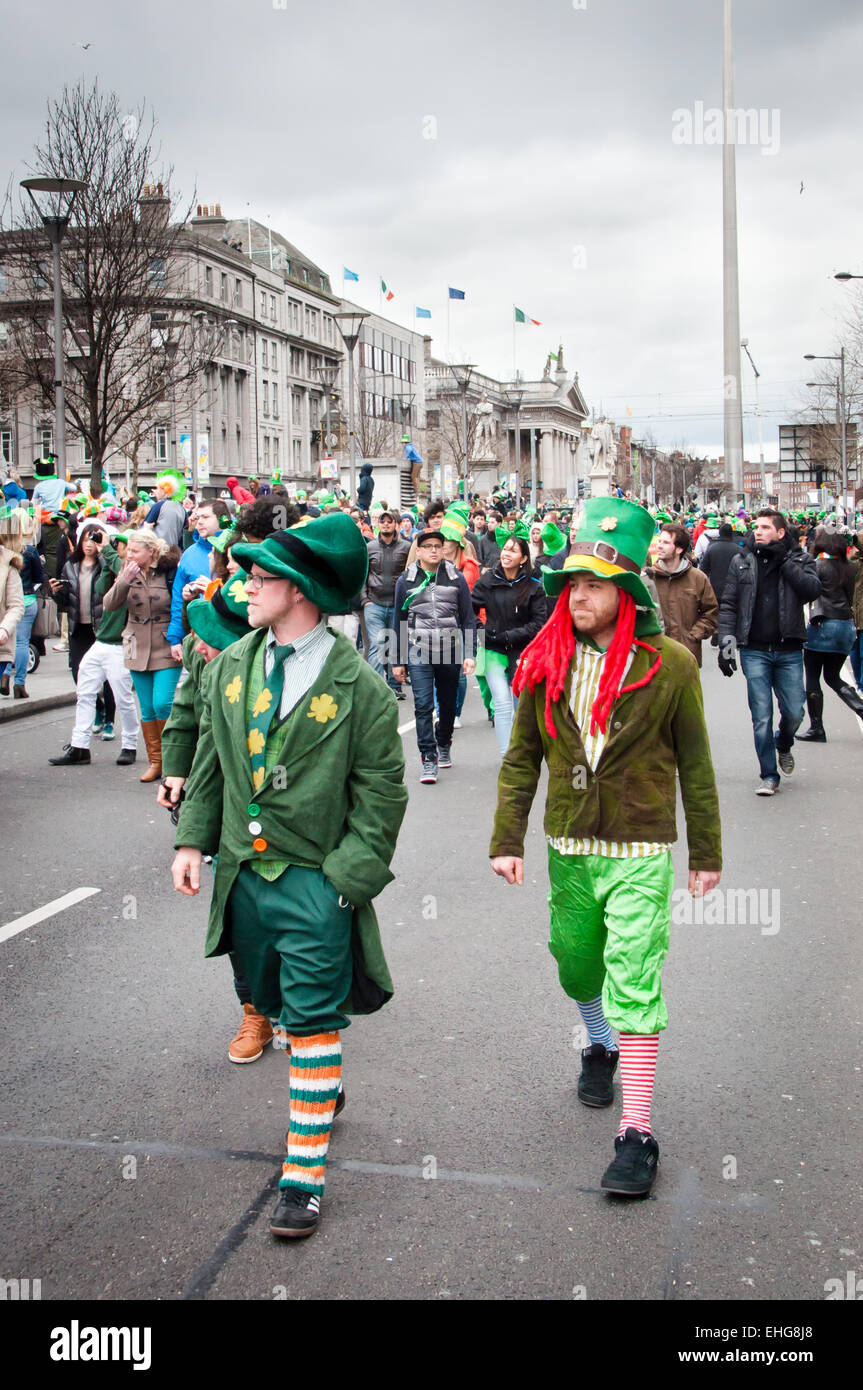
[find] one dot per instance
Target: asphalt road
(139, 1163)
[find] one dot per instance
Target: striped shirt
(302, 667)
(587, 668)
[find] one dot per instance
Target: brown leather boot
(254, 1033)
(152, 729)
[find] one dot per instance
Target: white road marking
(49, 910)
(403, 728)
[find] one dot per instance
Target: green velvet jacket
(180, 734)
(335, 799)
(656, 734)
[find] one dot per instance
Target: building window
(2, 279)
(275, 454)
(266, 397)
(263, 305)
(296, 450)
(379, 359)
(275, 400)
(238, 293)
(273, 307)
(413, 371)
(7, 450)
(238, 394)
(298, 408)
(266, 453)
(298, 362)
(264, 362)
(274, 356)
(369, 402)
(161, 444)
(314, 411)
(294, 315)
(208, 279)
(365, 354)
(223, 288)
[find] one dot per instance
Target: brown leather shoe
(254, 1033)
(152, 730)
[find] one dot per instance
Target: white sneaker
(61, 647)
(456, 723)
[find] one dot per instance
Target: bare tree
(374, 433)
(128, 346)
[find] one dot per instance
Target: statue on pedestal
(483, 447)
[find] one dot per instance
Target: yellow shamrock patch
(255, 742)
(258, 776)
(237, 590)
(233, 688)
(323, 707)
(262, 704)
(608, 523)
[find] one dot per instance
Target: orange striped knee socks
(316, 1069)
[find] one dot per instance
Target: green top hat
(326, 558)
(45, 467)
(552, 538)
(612, 542)
(222, 618)
(455, 523)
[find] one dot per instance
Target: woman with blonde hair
(144, 585)
(11, 589)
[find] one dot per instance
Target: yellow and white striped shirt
(587, 668)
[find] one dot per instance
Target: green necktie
(263, 712)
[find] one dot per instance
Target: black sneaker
(785, 761)
(633, 1172)
(444, 757)
(296, 1214)
(596, 1083)
(71, 755)
(400, 693)
(127, 756)
(429, 772)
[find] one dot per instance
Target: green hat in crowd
(502, 533)
(222, 618)
(327, 559)
(661, 518)
(552, 538)
(612, 542)
(455, 523)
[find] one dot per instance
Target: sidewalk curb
(22, 708)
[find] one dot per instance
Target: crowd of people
(265, 644)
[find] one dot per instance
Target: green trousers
(293, 941)
(610, 929)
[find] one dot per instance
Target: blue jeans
(426, 682)
(155, 691)
(22, 645)
(766, 672)
(505, 703)
(380, 624)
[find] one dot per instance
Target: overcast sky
(553, 182)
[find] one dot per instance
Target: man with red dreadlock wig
(615, 709)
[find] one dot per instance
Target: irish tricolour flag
(387, 294)
(522, 317)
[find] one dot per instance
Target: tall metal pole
(351, 424)
(533, 468)
(730, 279)
(56, 227)
(464, 436)
(844, 432)
(518, 451)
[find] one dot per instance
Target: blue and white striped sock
(597, 1025)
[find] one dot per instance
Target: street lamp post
(744, 343)
(533, 468)
(811, 357)
(350, 326)
(56, 223)
(327, 377)
(462, 373)
(515, 396)
(573, 453)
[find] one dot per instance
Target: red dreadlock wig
(549, 655)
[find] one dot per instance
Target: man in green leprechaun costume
(618, 719)
(298, 786)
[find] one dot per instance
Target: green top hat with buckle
(326, 558)
(612, 542)
(224, 617)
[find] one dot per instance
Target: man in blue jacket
(194, 565)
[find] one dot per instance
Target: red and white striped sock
(638, 1053)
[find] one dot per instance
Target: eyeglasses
(255, 582)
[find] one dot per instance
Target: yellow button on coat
(259, 845)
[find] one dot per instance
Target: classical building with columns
(512, 427)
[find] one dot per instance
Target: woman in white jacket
(11, 590)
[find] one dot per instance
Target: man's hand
(169, 792)
(399, 673)
(508, 867)
(468, 665)
(727, 665)
(702, 882)
(177, 651)
(186, 871)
